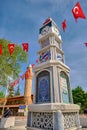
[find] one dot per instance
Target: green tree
(1, 94)
(80, 97)
(10, 65)
(17, 92)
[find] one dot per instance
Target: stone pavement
(20, 123)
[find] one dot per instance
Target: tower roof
(47, 21)
(30, 65)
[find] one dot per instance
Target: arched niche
(43, 87)
(64, 83)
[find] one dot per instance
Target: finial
(30, 66)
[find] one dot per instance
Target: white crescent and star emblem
(76, 10)
(11, 47)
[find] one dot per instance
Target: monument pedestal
(53, 116)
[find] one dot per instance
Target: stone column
(78, 120)
(29, 119)
(58, 121)
(55, 84)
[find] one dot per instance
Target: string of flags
(14, 83)
(11, 48)
(77, 12)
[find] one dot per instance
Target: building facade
(19, 104)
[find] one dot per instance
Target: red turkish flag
(16, 81)
(25, 46)
(78, 12)
(0, 49)
(64, 25)
(23, 76)
(36, 61)
(33, 65)
(12, 84)
(85, 44)
(11, 48)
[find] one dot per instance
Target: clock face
(45, 30)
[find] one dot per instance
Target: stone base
(53, 116)
(32, 128)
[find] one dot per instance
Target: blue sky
(20, 21)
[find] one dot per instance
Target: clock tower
(53, 103)
(51, 61)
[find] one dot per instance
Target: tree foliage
(1, 94)
(10, 65)
(10, 92)
(80, 97)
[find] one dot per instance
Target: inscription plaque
(64, 85)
